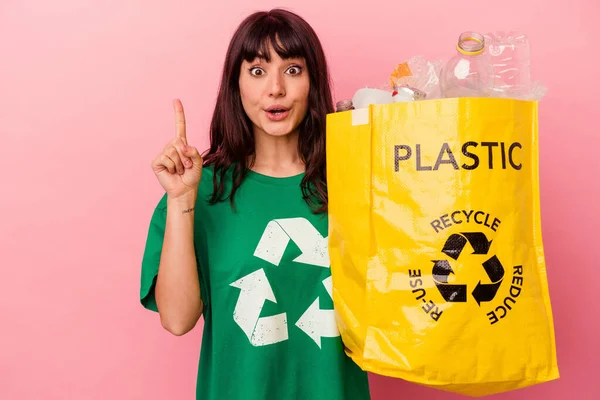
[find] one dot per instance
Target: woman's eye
(294, 70)
(256, 71)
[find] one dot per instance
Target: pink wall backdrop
(86, 89)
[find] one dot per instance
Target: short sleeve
(152, 253)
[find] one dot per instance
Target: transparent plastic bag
(420, 74)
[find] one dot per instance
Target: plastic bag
(418, 73)
(437, 259)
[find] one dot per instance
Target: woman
(240, 235)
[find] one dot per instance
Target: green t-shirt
(269, 328)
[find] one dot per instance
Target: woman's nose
(276, 86)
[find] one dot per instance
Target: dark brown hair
(231, 135)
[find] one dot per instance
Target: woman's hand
(178, 167)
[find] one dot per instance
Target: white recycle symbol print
(255, 288)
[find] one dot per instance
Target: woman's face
(275, 94)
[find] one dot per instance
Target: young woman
(240, 235)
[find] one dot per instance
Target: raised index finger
(179, 119)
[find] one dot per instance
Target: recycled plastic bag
(437, 259)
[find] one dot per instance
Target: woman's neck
(277, 156)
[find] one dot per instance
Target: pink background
(86, 104)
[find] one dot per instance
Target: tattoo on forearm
(189, 210)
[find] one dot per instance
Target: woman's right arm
(178, 168)
(177, 286)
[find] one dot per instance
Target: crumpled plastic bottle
(509, 54)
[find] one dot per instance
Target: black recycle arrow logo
(456, 243)
(453, 248)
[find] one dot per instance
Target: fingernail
(188, 164)
(184, 147)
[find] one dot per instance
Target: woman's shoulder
(207, 179)
(210, 182)
(209, 172)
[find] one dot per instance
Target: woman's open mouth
(277, 114)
